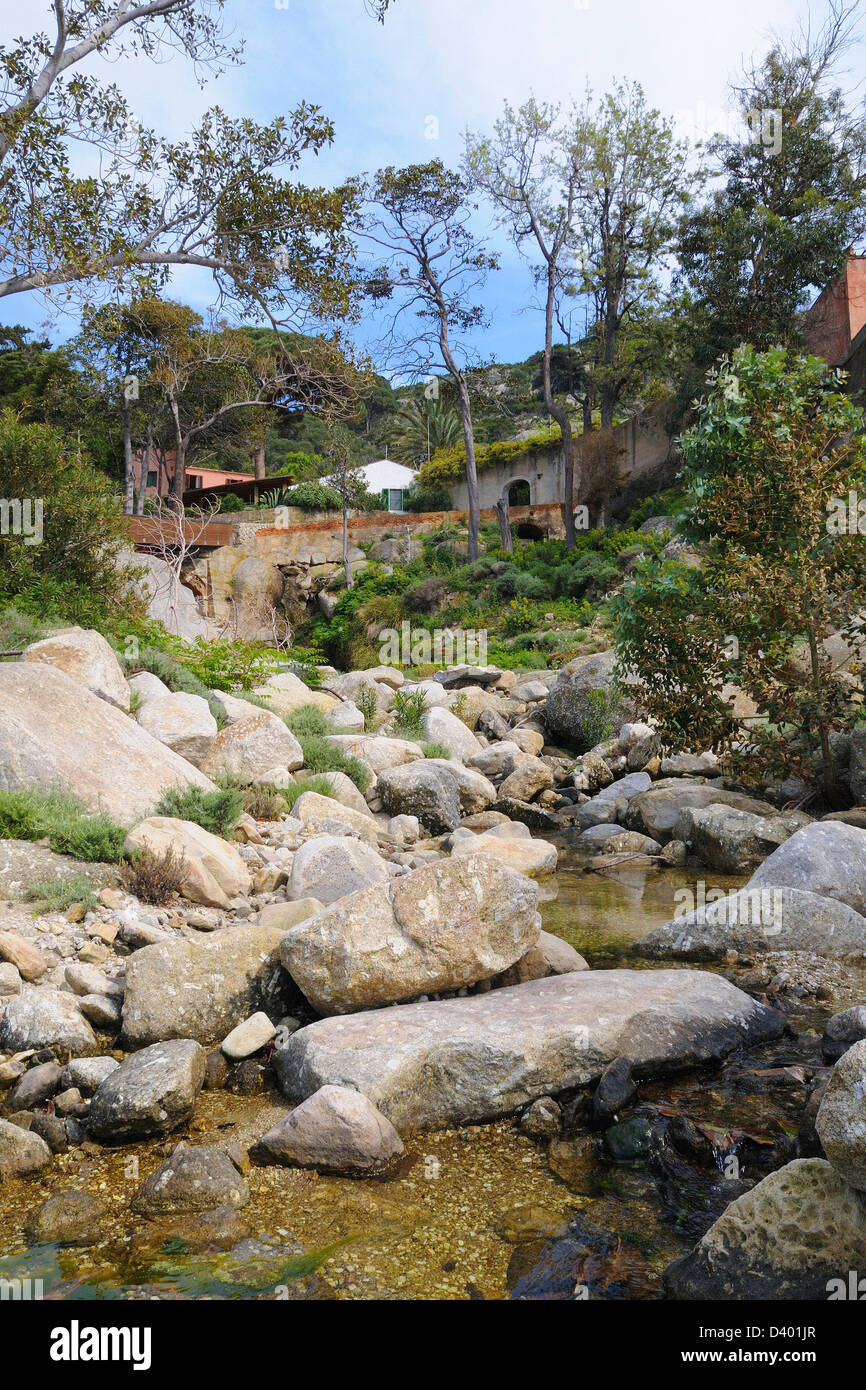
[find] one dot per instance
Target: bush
(408, 709)
(59, 818)
(58, 896)
(153, 878)
(366, 702)
(434, 750)
(427, 497)
(264, 802)
(311, 784)
(71, 570)
(322, 756)
(218, 812)
(309, 721)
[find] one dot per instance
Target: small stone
(542, 1119)
(87, 1073)
(67, 1218)
(53, 1130)
(192, 1179)
(336, 1129)
(30, 962)
(35, 1087)
(21, 1152)
(103, 1011)
(150, 1094)
(249, 1037)
(216, 1071)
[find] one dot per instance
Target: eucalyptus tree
(420, 220)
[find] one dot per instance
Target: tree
(420, 217)
(789, 198)
(593, 191)
(421, 427)
(771, 463)
(530, 169)
(60, 531)
(224, 199)
(348, 482)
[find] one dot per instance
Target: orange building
(157, 481)
(838, 315)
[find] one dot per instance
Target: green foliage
(309, 721)
(322, 756)
(519, 616)
(366, 702)
(426, 497)
(59, 895)
(18, 630)
(448, 464)
(218, 811)
(430, 749)
(62, 820)
(774, 453)
(263, 802)
(408, 709)
(227, 665)
(151, 877)
(58, 555)
(321, 785)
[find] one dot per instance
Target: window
(151, 478)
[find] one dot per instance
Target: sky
(404, 92)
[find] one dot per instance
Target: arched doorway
(518, 493)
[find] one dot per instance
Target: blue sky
(452, 60)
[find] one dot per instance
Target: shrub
(309, 720)
(408, 709)
(218, 812)
(519, 616)
(152, 877)
(72, 571)
(433, 750)
(59, 896)
(366, 702)
(310, 784)
(264, 802)
(322, 756)
(426, 497)
(59, 818)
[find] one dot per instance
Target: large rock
(252, 746)
(857, 765)
(793, 1236)
(343, 789)
(430, 793)
(499, 760)
(513, 846)
(350, 685)
(757, 920)
(376, 752)
(841, 1121)
(213, 872)
(202, 988)
(441, 726)
(584, 705)
(41, 1017)
(732, 841)
(21, 1152)
(337, 1130)
(611, 803)
(192, 1179)
(474, 791)
(182, 722)
(527, 781)
(168, 602)
(443, 926)
(461, 1061)
(55, 733)
(656, 812)
(67, 1218)
(151, 1093)
(827, 857)
(87, 658)
(330, 866)
(285, 693)
(313, 809)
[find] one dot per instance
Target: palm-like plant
(420, 421)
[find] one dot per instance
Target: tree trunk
(346, 566)
(128, 469)
(560, 415)
(504, 524)
(145, 470)
(179, 455)
(259, 460)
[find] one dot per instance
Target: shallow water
(481, 1213)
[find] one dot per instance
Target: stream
(480, 1213)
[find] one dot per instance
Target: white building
(389, 479)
